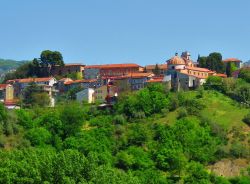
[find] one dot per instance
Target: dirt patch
(229, 168)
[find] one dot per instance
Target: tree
(202, 61)
(156, 70)
(49, 59)
(41, 99)
(230, 68)
(245, 74)
(213, 82)
(38, 136)
(212, 62)
(24, 71)
(33, 95)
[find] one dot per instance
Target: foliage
(75, 75)
(33, 95)
(245, 74)
(156, 70)
(246, 119)
(230, 68)
(51, 58)
(76, 143)
(23, 71)
(212, 62)
(147, 101)
(38, 136)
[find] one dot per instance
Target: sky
(124, 31)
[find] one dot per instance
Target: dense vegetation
(39, 67)
(151, 136)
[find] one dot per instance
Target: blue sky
(116, 31)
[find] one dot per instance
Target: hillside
(7, 65)
(150, 136)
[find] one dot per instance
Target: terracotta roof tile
(221, 75)
(11, 102)
(231, 60)
(198, 69)
(152, 67)
(28, 80)
(3, 86)
(80, 81)
(107, 66)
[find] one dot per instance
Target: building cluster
(103, 83)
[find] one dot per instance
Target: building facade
(110, 70)
(161, 67)
(235, 61)
(184, 74)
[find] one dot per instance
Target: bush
(246, 119)
(164, 111)
(238, 150)
(182, 112)
(38, 136)
(245, 74)
(119, 119)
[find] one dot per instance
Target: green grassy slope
(218, 107)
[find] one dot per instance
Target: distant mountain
(7, 65)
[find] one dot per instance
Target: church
(184, 73)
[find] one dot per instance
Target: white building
(86, 95)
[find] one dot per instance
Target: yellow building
(6, 92)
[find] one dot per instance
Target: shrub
(119, 119)
(182, 112)
(238, 150)
(246, 119)
(38, 136)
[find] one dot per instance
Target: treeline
(77, 143)
(238, 89)
(38, 67)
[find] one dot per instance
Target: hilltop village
(104, 83)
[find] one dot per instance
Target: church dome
(176, 60)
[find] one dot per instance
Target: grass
(219, 108)
(223, 110)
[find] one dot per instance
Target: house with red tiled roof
(68, 69)
(47, 85)
(156, 80)
(108, 70)
(236, 62)
(132, 81)
(162, 68)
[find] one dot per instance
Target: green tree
(33, 95)
(48, 60)
(202, 62)
(245, 74)
(157, 70)
(213, 82)
(38, 136)
(230, 68)
(24, 71)
(51, 58)
(212, 62)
